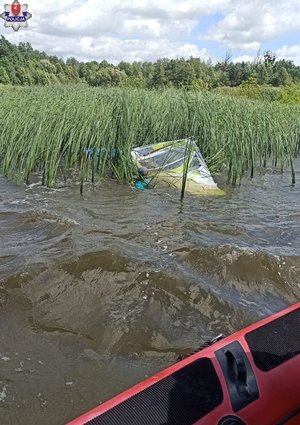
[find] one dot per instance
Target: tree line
(22, 65)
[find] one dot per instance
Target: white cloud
(289, 53)
(285, 52)
(248, 23)
(114, 50)
(244, 58)
(130, 30)
(115, 31)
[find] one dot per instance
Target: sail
(168, 161)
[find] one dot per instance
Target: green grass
(46, 129)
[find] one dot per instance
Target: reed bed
(90, 132)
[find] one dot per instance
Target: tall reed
(55, 130)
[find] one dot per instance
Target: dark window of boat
(180, 399)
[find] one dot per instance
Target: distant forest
(22, 65)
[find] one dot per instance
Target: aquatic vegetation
(91, 131)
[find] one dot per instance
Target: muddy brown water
(98, 292)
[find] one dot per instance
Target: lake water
(98, 292)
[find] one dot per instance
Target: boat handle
(238, 371)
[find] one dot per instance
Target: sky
(140, 30)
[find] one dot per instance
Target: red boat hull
(249, 378)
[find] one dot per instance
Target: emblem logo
(15, 9)
(16, 15)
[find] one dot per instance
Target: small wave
(20, 202)
(249, 270)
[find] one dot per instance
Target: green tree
(250, 88)
(24, 76)
(197, 85)
(235, 74)
(290, 94)
(133, 82)
(22, 65)
(107, 77)
(4, 78)
(184, 74)
(281, 78)
(159, 78)
(262, 74)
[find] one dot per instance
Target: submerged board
(249, 378)
(168, 161)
